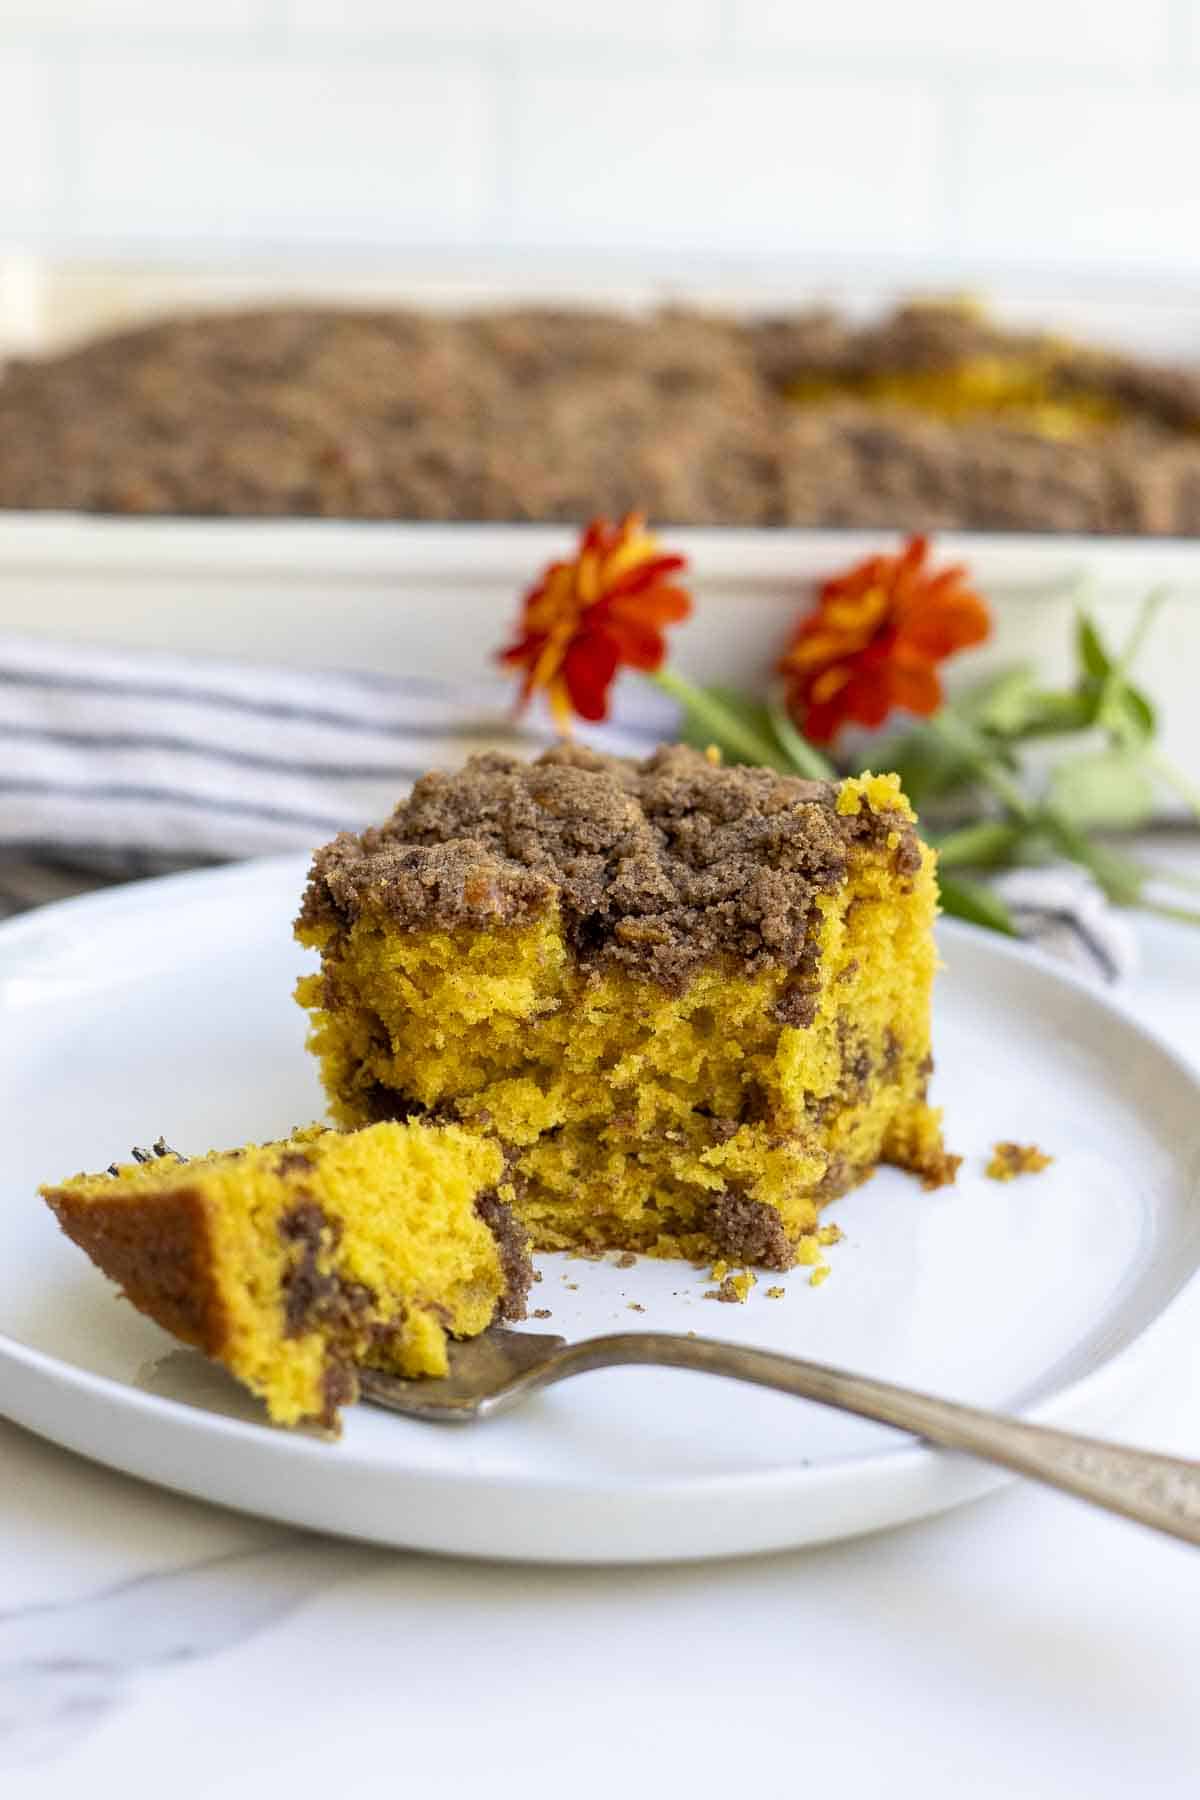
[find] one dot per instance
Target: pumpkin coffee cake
(293, 1262)
(690, 1003)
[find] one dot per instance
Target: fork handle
(1159, 1491)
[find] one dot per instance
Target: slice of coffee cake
(292, 1262)
(691, 1002)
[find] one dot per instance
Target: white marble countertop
(1024, 1646)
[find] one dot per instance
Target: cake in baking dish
(932, 417)
(690, 1003)
(294, 1262)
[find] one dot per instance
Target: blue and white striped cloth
(116, 764)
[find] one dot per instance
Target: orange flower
(586, 618)
(875, 640)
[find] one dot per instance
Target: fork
(496, 1371)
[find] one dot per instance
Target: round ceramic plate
(165, 1008)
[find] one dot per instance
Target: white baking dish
(436, 599)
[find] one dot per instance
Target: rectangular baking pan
(434, 599)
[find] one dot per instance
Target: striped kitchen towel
(124, 763)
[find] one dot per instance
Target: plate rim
(1090, 1396)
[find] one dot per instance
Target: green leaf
(1011, 706)
(1126, 714)
(987, 844)
(1055, 713)
(1121, 709)
(1001, 704)
(1109, 790)
(972, 901)
(1094, 659)
(1142, 711)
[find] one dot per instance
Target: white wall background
(910, 137)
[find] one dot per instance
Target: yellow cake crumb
(819, 1274)
(293, 1262)
(734, 1290)
(776, 1293)
(880, 793)
(1009, 1160)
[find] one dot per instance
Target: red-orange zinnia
(586, 618)
(875, 639)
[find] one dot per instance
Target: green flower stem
(1147, 612)
(729, 732)
(806, 757)
(958, 736)
(1183, 915)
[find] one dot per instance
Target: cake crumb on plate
(1009, 1160)
(733, 1290)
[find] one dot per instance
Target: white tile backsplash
(941, 135)
(1074, 34)
(534, 23)
(213, 152)
(756, 164)
(1066, 177)
(27, 161)
(166, 18)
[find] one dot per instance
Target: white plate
(165, 1007)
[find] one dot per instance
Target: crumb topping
(656, 866)
(512, 1241)
(749, 1231)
